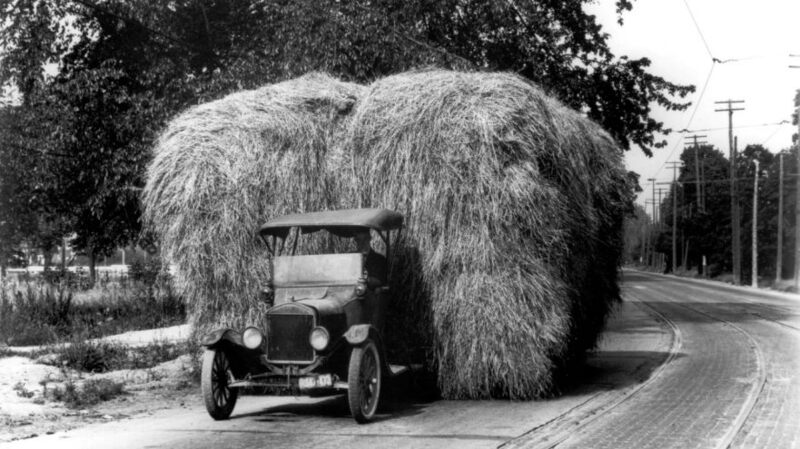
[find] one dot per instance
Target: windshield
(319, 269)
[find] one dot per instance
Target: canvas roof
(378, 219)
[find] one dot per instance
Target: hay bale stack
(513, 207)
(222, 168)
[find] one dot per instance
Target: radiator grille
(287, 338)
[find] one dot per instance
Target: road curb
(722, 285)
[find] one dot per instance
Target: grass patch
(37, 312)
(91, 392)
(101, 356)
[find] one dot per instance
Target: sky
(757, 38)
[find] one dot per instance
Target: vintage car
(323, 332)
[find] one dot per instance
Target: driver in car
(374, 263)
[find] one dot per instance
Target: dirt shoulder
(29, 408)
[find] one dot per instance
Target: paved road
(682, 365)
(734, 380)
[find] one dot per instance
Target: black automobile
(323, 332)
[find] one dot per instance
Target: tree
(123, 68)
(705, 231)
(768, 215)
(555, 44)
(636, 225)
(745, 173)
(101, 115)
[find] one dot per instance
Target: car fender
(358, 333)
(215, 337)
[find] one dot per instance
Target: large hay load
(222, 168)
(513, 207)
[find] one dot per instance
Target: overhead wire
(714, 62)
(691, 118)
(762, 125)
(700, 32)
(772, 135)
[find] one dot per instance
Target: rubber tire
(362, 394)
(214, 376)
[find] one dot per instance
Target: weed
(36, 312)
(22, 391)
(92, 391)
(90, 356)
(96, 390)
(155, 353)
(101, 356)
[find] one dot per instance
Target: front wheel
(218, 396)
(364, 381)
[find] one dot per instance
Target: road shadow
(399, 399)
(613, 370)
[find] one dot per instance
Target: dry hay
(513, 207)
(222, 168)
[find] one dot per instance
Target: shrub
(100, 356)
(147, 273)
(92, 356)
(93, 391)
(33, 313)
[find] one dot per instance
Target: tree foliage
(707, 231)
(99, 79)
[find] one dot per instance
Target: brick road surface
(774, 421)
(734, 382)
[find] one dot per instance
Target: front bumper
(302, 383)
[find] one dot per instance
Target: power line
(700, 32)
(702, 92)
(771, 136)
(691, 118)
(762, 125)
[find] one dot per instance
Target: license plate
(321, 381)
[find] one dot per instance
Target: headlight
(252, 337)
(319, 338)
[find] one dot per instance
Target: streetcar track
(706, 288)
(755, 393)
(747, 301)
(594, 412)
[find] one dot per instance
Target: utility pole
(674, 166)
(660, 191)
(699, 197)
(779, 261)
(652, 234)
(754, 280)
(703, 182)
(797, 205)
(797, 195)
(735, 237)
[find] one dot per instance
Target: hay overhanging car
(323, 330)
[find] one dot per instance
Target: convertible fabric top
(378, 219)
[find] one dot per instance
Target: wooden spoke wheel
(364, 381)
(218, 396)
